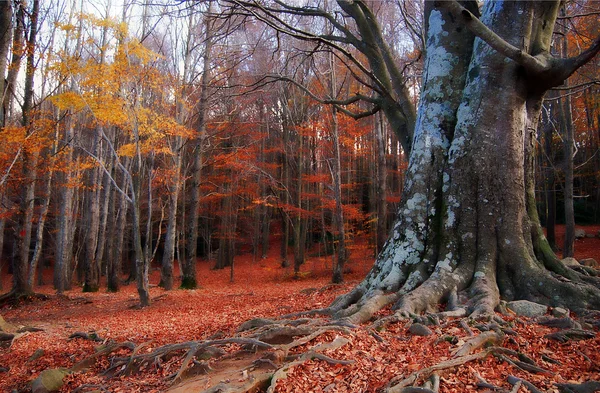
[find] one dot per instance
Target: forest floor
(262, 288)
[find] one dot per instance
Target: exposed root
(586, 387)
(484, 339)
(517, 387)
(92, 336)
(482, 383)
(266, 367)
(571, 334)
(14, 297)
(526, 364)
(427, 372)
(531, 387)
(465, 326)
(313, 353)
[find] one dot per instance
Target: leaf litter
(263, 289)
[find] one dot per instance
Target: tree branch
(572, 64)
(359, 115)
(533, 64)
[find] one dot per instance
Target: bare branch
(359, 115)
(580, 15)
(572, 64)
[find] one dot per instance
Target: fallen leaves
(218, 308)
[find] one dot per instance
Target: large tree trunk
(468, 225)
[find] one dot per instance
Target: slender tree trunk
(29, 160)
(6, 13)
(285, 236)
(2, 226)
(148, 242)
(381, 194)
(166, 280)
(569, 151)
(67, 191)
(106, 201)
(39, 237)
(189, 279)
(116, 258)
(92, 213)
(336, 174)
(141, 263)
(548, 130)
(18, 40)
(566, 126)
(299, 244)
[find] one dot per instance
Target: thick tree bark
(468, 225)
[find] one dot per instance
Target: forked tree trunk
(468, 228)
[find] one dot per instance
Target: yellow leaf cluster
(68, 100)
